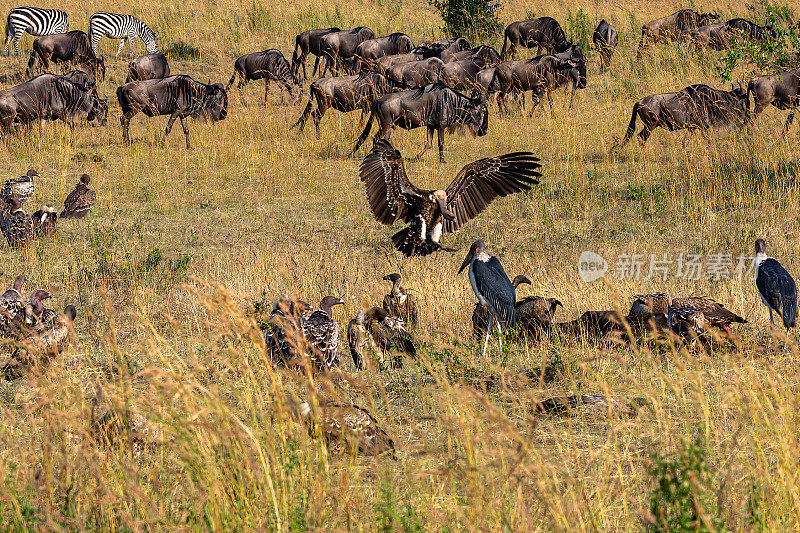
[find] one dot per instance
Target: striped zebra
(35, 21)
(121, 27)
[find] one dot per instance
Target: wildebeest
(697, 107)
(337, 46)
(308, 43)
(720, 36)
(673, 27)
(383, 64)
(542, 74)
(780, 90)
(605, 40)
(543, 32)
(345, 94)
(462, 75)
(371, 49)
(72, 47)
(443, 47)
(148, 67)
(269, 65)
(177, 96)
(485, 53)
(417, 73)
(435, 106)
(49, 97)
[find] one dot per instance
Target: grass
(181, 242)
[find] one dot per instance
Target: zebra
(35, 21)
(121, 27)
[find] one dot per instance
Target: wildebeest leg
(125, 120)
(538, 49)
(441, 143)
(170, 122)
(185, 131)
(314, 70)
(535, 99)
(266, 90)
(550, 102)
(645, 134)
(322, 107)
(428, 144)
(789, 120)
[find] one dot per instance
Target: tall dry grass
(181, 242)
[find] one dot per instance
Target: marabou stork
(493, 289)
(430, 213)
(777, 289)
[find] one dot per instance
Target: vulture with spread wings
(429, 213)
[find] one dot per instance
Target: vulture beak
(443, 208)
(467, 261)
(338, 301)
(387, 278)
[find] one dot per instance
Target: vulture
(399, 303)
(112, 426)
(430, 213)
(13, 314)
(590, 405)
(347, 429)
(21, 188)
(376, 328)
(687, 322)
(322, 331)
(80, 201)
(493, 288)
(284, 338)
(715, 313)
(777, 289)
(480, 315)
(45, 340)
(44, 221)
(16, 225)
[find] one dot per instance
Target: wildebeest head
(98, 67)
(706, 18)
(215, 104)
(743, 103)
(769, 29)
(99, 111)
(479, 116)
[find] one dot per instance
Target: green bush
(473, 19)
(580, 29)
(681, 500)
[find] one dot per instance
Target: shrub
(473, 19)
(580, 29)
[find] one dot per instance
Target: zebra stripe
(35, 21)
(121, 27)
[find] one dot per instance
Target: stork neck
(483, 257)
(760, 258)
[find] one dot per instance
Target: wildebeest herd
(439, 85)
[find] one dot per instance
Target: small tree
(473, 19)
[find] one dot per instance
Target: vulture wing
(389, 192)
(482, 181)
(80, 200)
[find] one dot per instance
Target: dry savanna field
(181, 243)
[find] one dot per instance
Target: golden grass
(261, 211)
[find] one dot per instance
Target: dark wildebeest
(462, 75)
(370, 50)
(485, 53)
(341, 45)
(435, 106)
(307, 43)
(72, 47)
(50, 97)
(416, 74)
(780, 90)
(443, 47)
(673, 27)
(605, 41)
(176, 96)
(543, 32)
(345, 94)
(148, 67)
(269, 65)
(545, 73)
(87, 82)
(383, 64)
(697, 107)
(720, 36)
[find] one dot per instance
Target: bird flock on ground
(439, 85)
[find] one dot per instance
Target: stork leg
(499, 334)
(488, 334)
(772, 322)
(786, 343)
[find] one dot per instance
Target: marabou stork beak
(467, 261)
(446, 213)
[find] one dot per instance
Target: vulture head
(394, 278)
(328, 302)
(37, 301)
(440, 197)
(519, 280)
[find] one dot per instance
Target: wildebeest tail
(124, 103)
(32, 60)
(632, 125)
(230, 82)
(505, 47)
(367, 128)
(296, 56)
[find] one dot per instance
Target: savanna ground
(181, 242)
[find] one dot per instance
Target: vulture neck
(397, 290)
